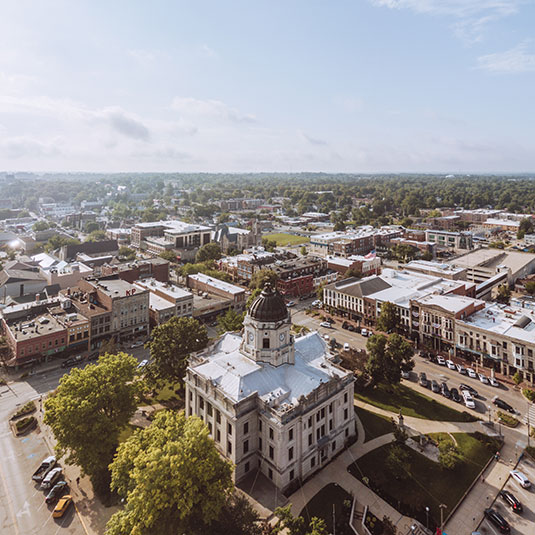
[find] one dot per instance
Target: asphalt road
(23, 510)
(433, 371)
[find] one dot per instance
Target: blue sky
(293, 85)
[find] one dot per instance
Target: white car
(142, 364)
(471, 373)
(521, 478)
(405, 375)
(364, 332)
(326, 337)
(493, 382)
(325, 324)
(468, 399)
(451, 365)
(316, 303)
(461, 369)
(441, 361)
(483, 378)
(346, 346)
(136, 344)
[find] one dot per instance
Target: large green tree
(209, 251)
(261, 277)
(388, 357)
(229, 322)
(172, 478)
(388, 318)
(88, 411)
(170, 346)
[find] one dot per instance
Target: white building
(272, 403)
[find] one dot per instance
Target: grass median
(411, 403)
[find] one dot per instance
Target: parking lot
(521, 523)
(23, 510)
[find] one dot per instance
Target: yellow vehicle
(62, 506)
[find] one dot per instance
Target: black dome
(269, 306)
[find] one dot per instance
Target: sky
(363, 86)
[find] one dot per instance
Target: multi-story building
(367, 265)
(38, 330)
(273, 404)
(204, 283)
(151, 268)
(116, 308)
(237, 239)
(160, 236)
(166, 301)
(455, 241)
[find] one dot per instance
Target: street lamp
(427, 517)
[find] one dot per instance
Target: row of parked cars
(49, 477)
(511, 500)
(441, 361)
(361, 330)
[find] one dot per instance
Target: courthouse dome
(269, 306)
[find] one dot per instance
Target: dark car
(498, 520)
(454, 393)
(56, 492)
(503, 404)
(351, 328)
(472, 391)
(93, 356)
(433, 358)
(73, 361)
(445, 390)
(345, 325)
(511, 500)
(434, 387)
(423, 380)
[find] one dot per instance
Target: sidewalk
(93, 515)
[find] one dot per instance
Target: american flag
(370, 255)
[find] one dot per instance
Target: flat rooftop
(116, 287)
(174, 226)
(217, 283)
(492, 258)
(438, 267)
(175, 292)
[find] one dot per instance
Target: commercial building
(231, 292)
(91, 249)
(166, 301)
(151, 268)
(455, 241)
(367, 265)
(160, 236)
(436, 269)
(273, 404)
(242, 267)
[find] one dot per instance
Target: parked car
(498, 520)
(56, 492)
(70, 362)
(51, 478)
(405, 374)
(445, 391)
(93, 356)
(451, 365)
(351, 328)
(136, 344)
(364, 332)
(510, 499)
(434, 387)
(461, 369)
(325, 324)
(62, 506)
(345, 325)
(483, 378)
(422, 379)
(521, 478)
(472, 391)
(142, 364)
(454, 393)
(290, 304)
(469, 402)
(441, 361)
(346, 346)
(500, 403)
(44, 468)
(316, 303)
(471, 373)
(493, 382)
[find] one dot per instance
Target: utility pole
(442, 507)
(334, 520)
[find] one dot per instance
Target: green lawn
(283, 239)
(321, 505)
(374, 425)
(167, 393)
(427, 484)
(412, 403)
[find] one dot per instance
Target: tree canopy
(170, 346)
(388, 357)
(291, 525)
(209, 251)
(388, 318)
(89, 409)
(172, 478)
(263, 276)
(230, 321)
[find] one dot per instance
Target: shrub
(506, 419)
(529, 393)
(23, 424)
(25, 409)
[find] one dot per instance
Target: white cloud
(209, 109)
(23, 147)
(514, 61)
(124, 124)
(313, 140)
(470, 16)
